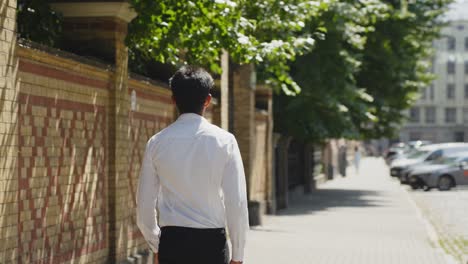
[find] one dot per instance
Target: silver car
(444, 173)
(426, 154)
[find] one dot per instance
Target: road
(361, 219)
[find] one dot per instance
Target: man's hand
(236, 262)
(156, 258)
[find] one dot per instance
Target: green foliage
(341, 68)
(368, 68)
(39, 23)
(174, 32)
(279, 36)
(394, 67)
(331, 104)
(267, 33)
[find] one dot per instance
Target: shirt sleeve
(147, 195)
(235, 201)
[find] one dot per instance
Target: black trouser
(183, 245)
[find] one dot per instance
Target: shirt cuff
(153, 248)
(237, 254)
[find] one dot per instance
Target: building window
(451, 67)
(450, 115)
(450, 91)
(466, 67)
(466, 91)
(465, 115)
(451, 43)
(460, 27)
(459, 136)
(466, 43)
(414, 115)
(424, 93)
(430, 115)
(413, 136)
(431, 92)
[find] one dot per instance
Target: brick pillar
(270, 188)
(119, 146)
(264, 101)
(223, 105)
(272, 204)
(309, 181)
(244, 114)
(92, 28)
(212, 112)
(9, 196)
(243, 91)
(99, 29)
(282, 200)
(330, 159)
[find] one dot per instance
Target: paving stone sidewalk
(360, 219)
(447, 211)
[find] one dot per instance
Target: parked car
(444, 173)
(393, 153)
(406, 159)
(401, 167)
(397, 153)
(400, 150)
(418, 143)
(443, 151)
(403, 150)
(433, 165)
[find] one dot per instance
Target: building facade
(441, 113)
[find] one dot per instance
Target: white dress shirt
(192, 172)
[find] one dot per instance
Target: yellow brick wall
(63, 177)
(62, 137)
(73, 135)
(153, 111)
(8, 135)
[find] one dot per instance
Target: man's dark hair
(190, 87)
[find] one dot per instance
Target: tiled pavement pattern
(448, 213)
(360, 219)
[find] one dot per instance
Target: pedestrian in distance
(357, 158)
(192, 183)
(342, 162)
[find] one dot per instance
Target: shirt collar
(190, 117)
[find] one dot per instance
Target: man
(192, 172)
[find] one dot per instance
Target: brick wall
(152, 111)
(8, 134)
(64, 199)
(55, 170)
(62, 123)
(73, 132)
(212, 112)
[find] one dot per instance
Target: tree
(367, 69)
(331, 104)
(395, 62)
(359, 63)
(267, 33)
(37, 22)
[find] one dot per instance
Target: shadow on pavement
(324, 199)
